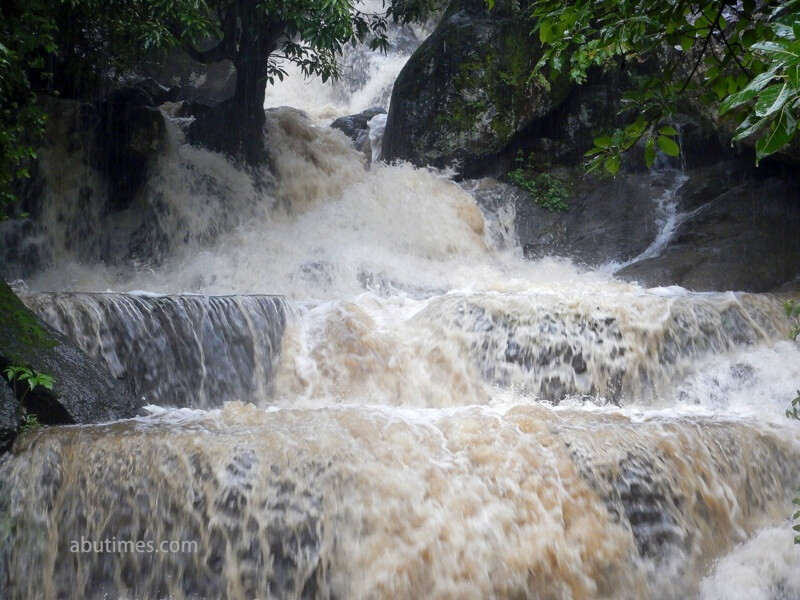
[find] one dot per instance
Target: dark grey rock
(127, 134)
(83, 392)
(465, 93)
(9, 416)
(159, 94)
(607, 221)
(740, 233)
(355, 126)
(176, 69)
(196, 107)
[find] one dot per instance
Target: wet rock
(740, 233)
(196, 107)
(607, 220)
(465, 92)
(174, 68)
(356, 126)
(9, 416)
(159, 94)
(563, 136)
(82, 393)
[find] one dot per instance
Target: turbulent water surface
(418, 413)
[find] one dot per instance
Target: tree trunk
(236, 127)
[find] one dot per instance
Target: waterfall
(175, 350)
(367, 77)
(360, 388)
(354, 503)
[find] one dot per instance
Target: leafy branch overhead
(739, 58)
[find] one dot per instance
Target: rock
(174, 68)
(563, 136)
(82, 392)
(607, 221)
(196, 107)
(464, 94)
(706, 184)
(9, 416)
(159, 94)
(740, 233)
(356, 127)
(212, 127)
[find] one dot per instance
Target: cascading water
(176, 350)
(423, 414)
(367, 77)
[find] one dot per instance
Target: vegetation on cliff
(741, 59)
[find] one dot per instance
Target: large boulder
(174, 68)
(465, 93)
(83, 392)
(608, 220)
(740, 230)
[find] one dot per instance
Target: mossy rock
(83, 391)
(465, 93)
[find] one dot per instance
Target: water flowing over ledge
(620, 347)
(353, 503)
(176, 350)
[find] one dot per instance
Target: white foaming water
(766, 567)
(367, 76)
(337, 227)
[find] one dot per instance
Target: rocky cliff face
(465, 93)
(464, 100)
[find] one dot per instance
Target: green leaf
(612, 164)
(772, 99)
(720, 87)
(748, 127)
(546, 33)
(668, 146)
(650, 153)
(604, 141)
(749, 92)
(668, 130)
(780, 134)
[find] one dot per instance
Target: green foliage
(792, 412)
(795, 517)
(748, 51)
(26, 35)
(31, 422)
(28, 379)
(546, 191)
